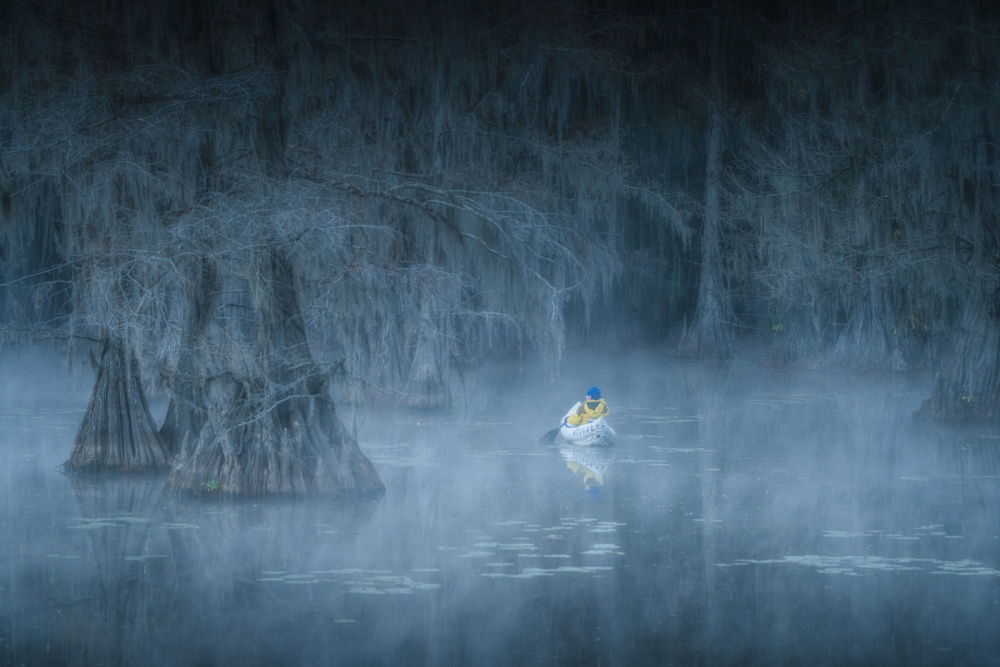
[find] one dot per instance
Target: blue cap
(594, 392)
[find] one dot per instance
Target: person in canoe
(584, 423)
(593, 407)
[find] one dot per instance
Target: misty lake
(746, 516)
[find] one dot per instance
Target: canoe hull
(594, 433)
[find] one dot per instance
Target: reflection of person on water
(590, 409)
(589, 466)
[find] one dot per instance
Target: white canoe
(594, 432)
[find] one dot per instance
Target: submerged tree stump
(117, 433)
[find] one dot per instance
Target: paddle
(550, 436)
(554, 433)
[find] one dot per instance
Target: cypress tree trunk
(970, 389)
(426, 385)
(865, 342)
(186, 413)
(272, 429)
(709, 335)
(118, 432)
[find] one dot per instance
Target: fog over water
(746, 516)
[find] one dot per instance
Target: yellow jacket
(588, 411)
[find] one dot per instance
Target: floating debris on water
(117, 520)
(92, 524)
(533, 572)
(922, 531)
(603, 550)
(365, 590)
(855, 565)
(535, 541)
(356, 581)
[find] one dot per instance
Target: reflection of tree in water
(872, 421)
(223, 554)
(245, 538)
(959, 475)
(873, 416)
(714, 403)
(123, 599)
(174, 580)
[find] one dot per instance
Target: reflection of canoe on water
(595, 432)
(589, 465)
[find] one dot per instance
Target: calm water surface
(746, 517)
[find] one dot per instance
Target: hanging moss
(864, 180)
(454, 182)
(449, 220)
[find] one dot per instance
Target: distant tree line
(245, 201)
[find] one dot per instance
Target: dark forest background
(396, 192)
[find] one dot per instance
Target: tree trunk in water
(186, 411)
(118, 432)
(865, 343)
(709, 335)
(970, 390)
(186, 414)
(274, 429)
(426, 385)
